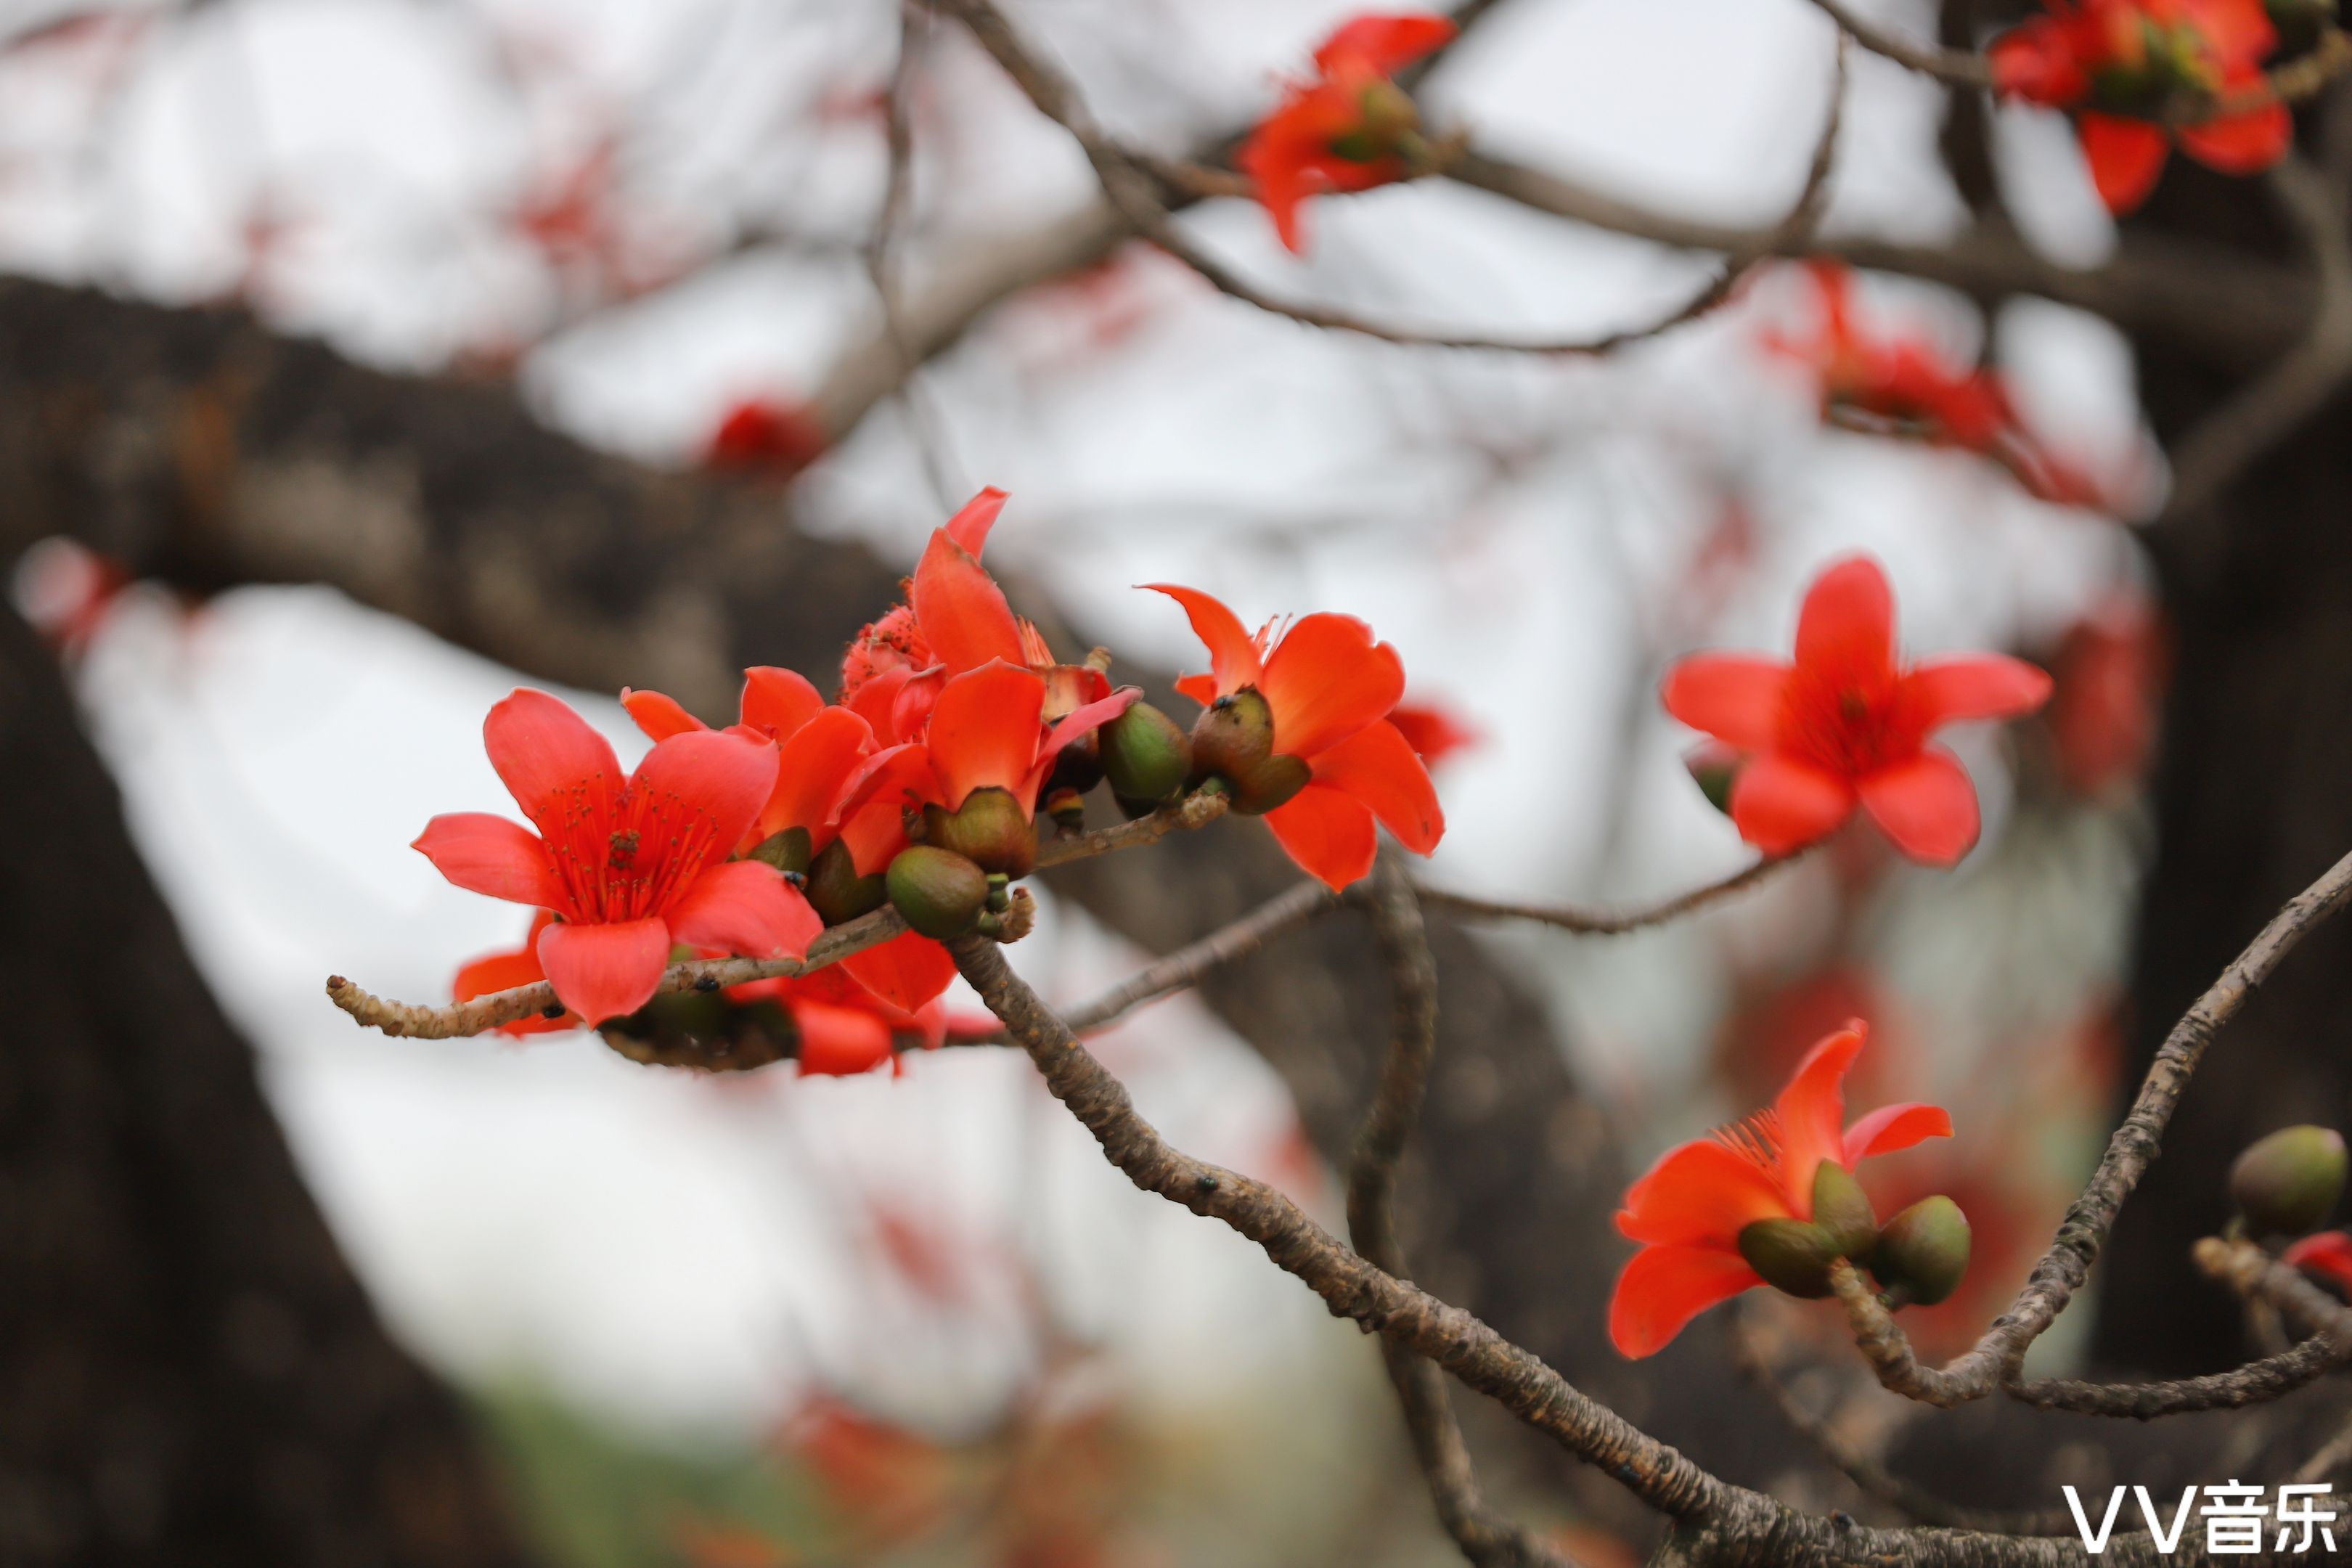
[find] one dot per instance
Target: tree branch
(1604, 922)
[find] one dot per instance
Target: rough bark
(189, 1373)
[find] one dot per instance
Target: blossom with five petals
(2096, 56)
(1350, 128)
(630, 865)
(1688, 1211)
(818, 748)
(1844, 724)
(1330, 688)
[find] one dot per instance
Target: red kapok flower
(1688, 1212)
(1350, 127)
(2327, 1254)
(763, 436)
(1330, 688)
(506, 971)
(1845, 725)
(818, 747)
(1434, 730)
(2104, 60)
(632, 866)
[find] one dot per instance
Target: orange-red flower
(1688, 1212)
(634, 864)
(818, 747)
(2327, 1254)
(1350, 128)
(2107, 59)
(1329, 687)
(759, 435)
(1845, 725)
(1434, 730)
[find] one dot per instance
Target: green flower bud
(989, 830)
(939, 892)
(2287, 1184)
(1144, 755)
(1270, 784)
(787, 851)
(1792, 1255)
(1234, 740)
(1842, 1211)
(1923, 1252)
(837, 892)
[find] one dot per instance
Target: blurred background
(362, 359)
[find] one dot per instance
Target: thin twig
(1993, 1362)
(2256, 1383)
(1486, 1538)
(1608, 922)
(1196, 810)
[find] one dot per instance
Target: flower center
(628, 856)
(1755, 1139)
(1848, 726)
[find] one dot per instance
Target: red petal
(1386, 44)
(986, 731)
(838, 1041)
(961, 610)
(504, 971)
(486, 854)
(1278, 180)
(1812, 1113)
(658, 716)
(1700, 1191)
(1733, 696)
(1378, 766)
(1432, 730)
(968, 526)
(2327, 1254)
(1327, 680)
(1893, 1128)
(876, 700)
(2031, 61)
(1986, 685)
(1075, 726)
(1328, 833)
(1926, 806)
(810, 769)
(778, 701)
(746, 907)
(721, 776)
(1780, 804)
(604, 971)
(1201, 689)
(1664, 1288)
(2125, 156)
(1847, 624)
(547, 756)
(2239, 143)
(1233, 655)
(907, 971)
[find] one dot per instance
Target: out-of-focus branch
(1606, 922)
(1993, 1363)
(2256, 1383)
(2272, 406)
(1486, 1539)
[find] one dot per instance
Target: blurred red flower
(762, 434)
(1350, 128)
(1844, 725)
(1688, 1211)
(2094, 57)
(1434, 730)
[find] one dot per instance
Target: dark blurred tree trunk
(2253, 800)
(189, 1373)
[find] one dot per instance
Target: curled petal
(1735, 697)
(1232, 654)
(1986, 685)
(1201, 689)
(961, 610)
(968, 526)
(1779, 804)
(2327, 1254)
(875, 833)
(1812, 1114)
(1378, 766)
(1384, 43)
(984, 732)
(658, 716)
(486, 854)
(1926, 806)
(604, 971)
(1664, 1288)
(712, 773)
(908, 972)
(836, 1041)
(2125, 156)
(876, 700)
(1327, 832)
(2241, 144)
(778, 701)
(1893, 1128)
(1847, 624)
(548, 756)
(1700, 1191)
(1327, 680)
(811, 767)
(746, 907)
